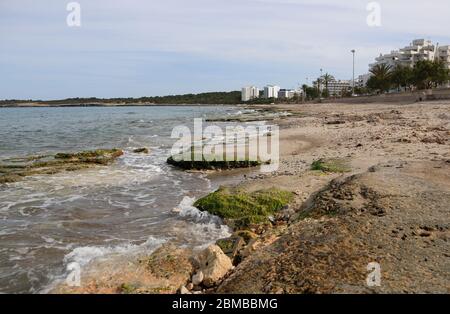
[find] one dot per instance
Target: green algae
(15, 169)
(244, 209)
(330, 165)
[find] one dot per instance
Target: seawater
(50, 221)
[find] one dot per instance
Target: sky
(161, 47)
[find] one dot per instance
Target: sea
(48, 222)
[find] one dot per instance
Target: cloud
(269, 37)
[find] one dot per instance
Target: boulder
(214, 265)
(197, 279)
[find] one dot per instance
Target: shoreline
(382, 144)
(116, 105)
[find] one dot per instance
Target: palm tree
(327, 78)
(381, 77)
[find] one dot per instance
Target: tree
(325, 93)
(401, 76)
(327, 78)
(311, 93)
(423, 73)
(381, 78)
(429, 74)
(440, 74)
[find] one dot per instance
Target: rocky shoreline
(369, 183)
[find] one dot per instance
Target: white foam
(186, 209)
(86, 254)
(205, 223)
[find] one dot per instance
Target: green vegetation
(310, 92)
(327, 78)
(15, 169)
(246, 235)
(209, 162)
(381, 78)
(225, 244)
(126, 288)
(99, 155)
(243, 209)
(330, 165)
(424, 75)
(225, 98)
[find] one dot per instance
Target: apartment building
(335, 87)
(444, 55)
(289, 93)
(418, 50)
(271, 91)
(362, 80)
(249, 93)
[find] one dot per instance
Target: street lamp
(320, 82)
(353, 52)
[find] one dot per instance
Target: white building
(271, 91)
(289, 93)
(335, 87)
(249, 93)
(444, 55)
(362, 80)
(419, 49)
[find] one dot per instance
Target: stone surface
(231, 246)
(197, 279)
(397, 215)
(184, 290)
(214, 265)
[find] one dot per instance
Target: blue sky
(142, 48)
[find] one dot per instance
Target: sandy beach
(390, 207)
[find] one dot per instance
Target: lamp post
(353, 91)
(320, 83)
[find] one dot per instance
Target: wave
(204, 223)
(86, 254)
(83, 256)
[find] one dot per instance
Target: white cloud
(307, 34)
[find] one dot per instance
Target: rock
(190, 286)
(169, 264)
(249, 249)
(184, 290)
(142, 150)
(214, 265)
(197, 279)
(285, 214)
(15, 169)
(247, 235)
(335, 122)
(231, 246)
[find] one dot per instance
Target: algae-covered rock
(330, 165)
(101, 156)
(142, 150)
(231, 246)
(243, 209)
(247, 235)
(206, 163)
(15, 169)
